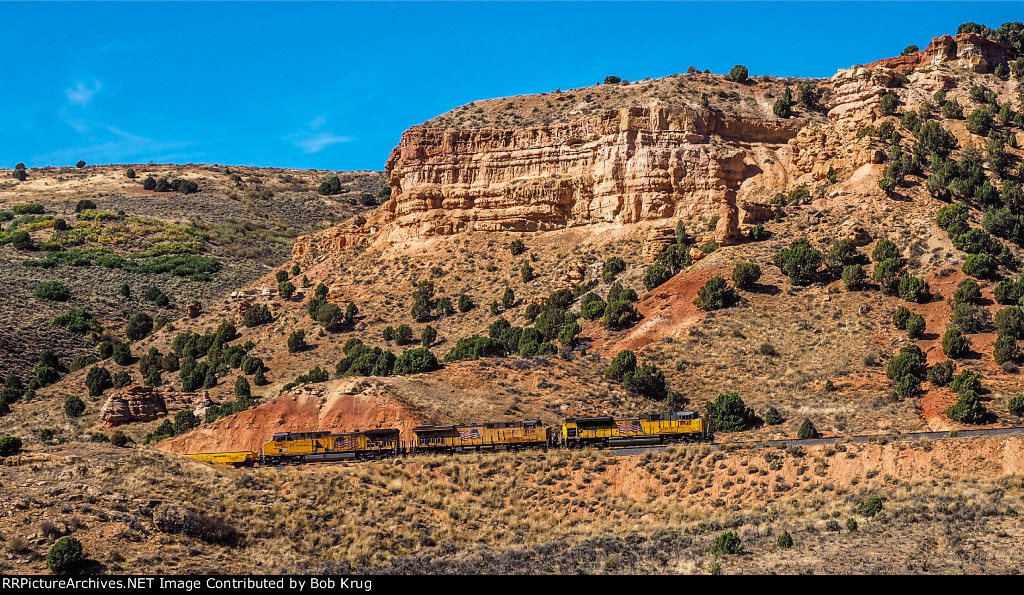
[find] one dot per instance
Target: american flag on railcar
(630, 427)
(349, 442)
(471, 434)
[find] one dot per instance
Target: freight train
(576, 432)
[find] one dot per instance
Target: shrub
(74, 406)
(465, 303)
(1005, 349)
(783, 107)
(648, 381)
(970, 318)
(19, 174)
(772, 417)
(623, 364)
(727, 543)
(807, 430)
(148, 184)
(403, 334)
(85, 205)
(286, 289)
(981, 266)
(619, 314)
(54, 291)
(889, 104)
(612, 267)
(941, 373)
(785, 540)
(888, 274)
(445, 308)
(854, 277)
(297, 341)
(738, 74)
(968, 408)
(746, 275)
(758, 233)
(955, 344)
(967, 292)
(281, 276)
(612, 80)
(122, 354)
(909, 362)
(415, 361)
(66, 554)
(328, 315)
(80, 164)
(900, 317)
(259, 314)
(330, 186)
(714, 295)
(428, 336)
(979, 121)
(1016, 406)
(139, 326)
(508, 298)
(131, 174)
(884, 250)
(914, 289)
(966, 380)
(517, 247)
(870, 506)
(526, 272)
(841, 253)
(9, 445)
(728, 413)
(591, 307)
(910, 49)
(76, 321)
(28, 208)
(656, 275)
(98, 380)
(799, 262)
(915, 326)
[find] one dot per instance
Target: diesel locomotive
(576, 432)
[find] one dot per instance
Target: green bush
(66, 554)
(415, 361)
(619, 314)
(74, 406)
(979, 121)
(909, 362)
(1009, 292)
(623, 364)
(784, 541)
(428, 336)
(888, 274)
(900, 317)
(98, 380)
(591, 307)
(297, 341)
(981, 266)
(738, 74)
(465, 303)
(884, 250)
(1015, 406)
(970, 318)
(842, 253)
(258, 314)
(727, 543)
(28, 208)
(799, 262)
(1004, 349)
(728, 413)
(807, 430)
(646, 380)
(330, 186)
(656, 275)
(9, 445)
(966, 380)
(148, 184)
(783, 107)
(758, 233)
(612, 267)
(914, 289)
(968, 409)
(915, 326)
(714, 295)
(77, 321)
(1010, 321)
(772, 417)
(508, 298)
(746, 275)
(140, 325)
(854, 277)
(517, 247)
(941, 373)
(889, 104)
(955, 344)
(967, 292)
(286, 289)
(870, 506)
(54, 291)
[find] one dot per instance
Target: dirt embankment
(333, 410)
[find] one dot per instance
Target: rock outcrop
(634, 164)
(969, 51)
(146, 403)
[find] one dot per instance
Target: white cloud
(314, 140)
(82, 93)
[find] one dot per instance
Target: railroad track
(634, 450)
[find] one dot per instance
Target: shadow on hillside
(764, 289)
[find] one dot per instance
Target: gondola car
(486, 436)
(606, 431)
(289, 447)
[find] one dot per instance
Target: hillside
(525, 243)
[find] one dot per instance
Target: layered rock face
(145, 403)
(635, 164)
(968, 51)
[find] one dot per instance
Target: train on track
(576, 432)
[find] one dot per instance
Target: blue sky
(333, 85)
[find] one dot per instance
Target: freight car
(485, 436)
(660, 428)
(289, 447)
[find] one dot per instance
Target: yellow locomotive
(487, 436)
(288, 447)
(677, 426)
